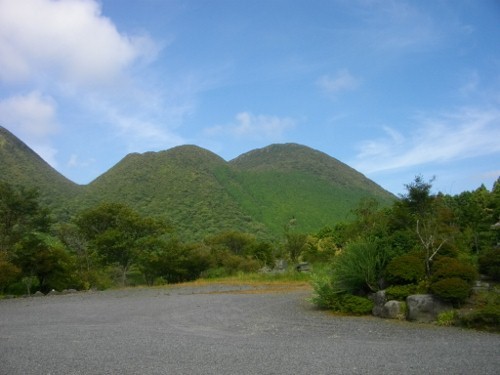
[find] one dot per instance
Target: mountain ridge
(200, 193)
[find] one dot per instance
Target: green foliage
(400, 292)
(447, 318)
(453, 289)
(326, 296)
(9, 272)
(486, 318)
(43, 256)
(294, 246)
(489, 263)
(408, 268)
(359, 267)
(355, 305)
(446, 267)
(116, 233)
(21, 166)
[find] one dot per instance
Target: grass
(257, 282)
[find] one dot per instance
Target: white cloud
(465, 134)
(341, 81)
(248, 125)
(33, 118)
(33, 115)
(69, 41)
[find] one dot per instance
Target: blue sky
(394, 89)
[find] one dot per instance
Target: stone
(69, 291)
(303, 267)
(425, 308)
(394, 310)
(379, 299)
(38, 294)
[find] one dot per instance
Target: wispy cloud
(256, 127)
(343, 80)
(468, 133)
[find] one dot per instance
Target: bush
(487, 318)
(446, 267)
(324, 295)
(358, 268)
(400, 292)
(355, 304)
(489, 263)
(404, 269)
(453, 289)
(447, 318)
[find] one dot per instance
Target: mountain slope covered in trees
(20, 165)
(199, 193)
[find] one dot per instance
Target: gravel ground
(221, 329)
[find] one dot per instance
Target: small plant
(355, 304)
(324, 296)
(400, 292)
(447, 318)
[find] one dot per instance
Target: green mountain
(20, 165)
(200, 193)
(181, 185)
(285, 181)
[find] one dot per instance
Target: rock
(53, 292)
(425, 307)
(38, 294)
(480, 286)
(379, 299)
(394, 310)
(69, 291)
(303, 267)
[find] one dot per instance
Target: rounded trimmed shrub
(446, 267)
(404, 269)
(453, 289)
(355, 304)
(400, 292)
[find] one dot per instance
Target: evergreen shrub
(404, 269)
(446, 267)
(453, 289)
(489, 263)
(400, 292)
(487, 318)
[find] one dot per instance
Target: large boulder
(379, 299)
(394, 310)
(425, 307)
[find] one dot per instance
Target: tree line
(423, 242)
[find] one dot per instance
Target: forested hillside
(198, 193)
(20, 165)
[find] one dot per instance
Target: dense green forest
(422, 243)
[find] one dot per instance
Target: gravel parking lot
(224, 329)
